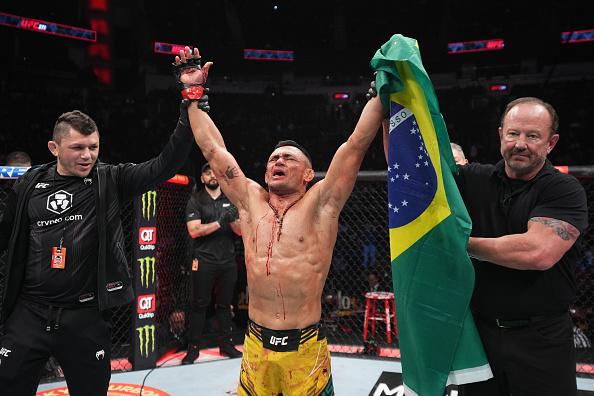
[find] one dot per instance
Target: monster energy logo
(146, 336)
(147, 270)
(149, 204)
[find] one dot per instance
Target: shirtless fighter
(289, 234)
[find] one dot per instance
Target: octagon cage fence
(362, 248)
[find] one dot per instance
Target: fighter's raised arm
(192, 77)
(342, 172)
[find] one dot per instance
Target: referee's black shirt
(501, 206)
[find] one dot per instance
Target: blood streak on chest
(270, 245)
(279, 293)
(257, 228)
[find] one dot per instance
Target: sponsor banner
(145, 337)
(113, 390)
(390, 384)
(149, 205)
(147, 235)
(147, 306)
(145, 278)
(12, 172)
(145, 273)
(59, 202)
(147, 238)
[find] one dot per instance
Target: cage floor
(213, 374)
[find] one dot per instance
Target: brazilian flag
(429, 228)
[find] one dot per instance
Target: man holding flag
(527, 219)
(429, 228)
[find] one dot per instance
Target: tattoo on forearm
(565, 230)
(231, 173)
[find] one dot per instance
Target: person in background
(18, 158)
(15, 158)
(213, 222)
(459, 156)
(373, 282)
(172, 336)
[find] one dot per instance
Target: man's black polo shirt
(501, 206)
(216, 248)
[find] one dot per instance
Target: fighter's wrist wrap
(195, 92)
(372, 93)
(192, 63)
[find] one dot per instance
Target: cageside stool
(387, 315)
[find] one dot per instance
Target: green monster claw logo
(146, 336)
(147, 268)
(149, 205)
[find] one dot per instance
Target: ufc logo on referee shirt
(147, 235)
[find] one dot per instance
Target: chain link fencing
(172, 288)
(5, 186)
(362, 248)
(583, 309)
(121, 317)
(173, 266)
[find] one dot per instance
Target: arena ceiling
(328, 37)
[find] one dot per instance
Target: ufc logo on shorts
(147, 235)
(278, 340)
(146, 303)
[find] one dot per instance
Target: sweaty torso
(287, 266)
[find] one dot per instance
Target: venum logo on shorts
(100, 354)
(149, 205)
(146, 340)
(147, 271)
(59, 202)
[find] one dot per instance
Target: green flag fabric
(429, 227)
